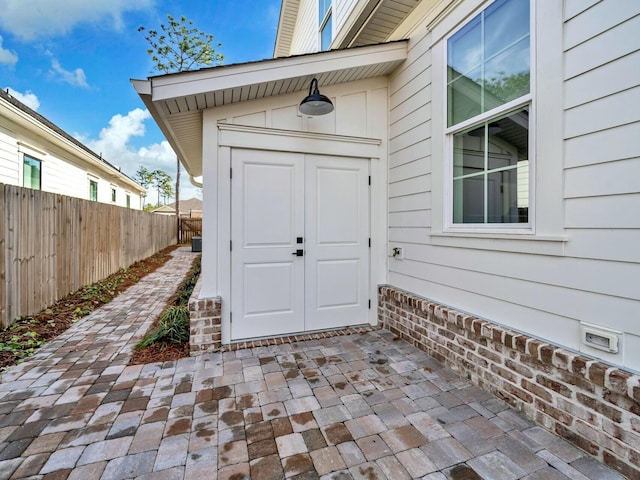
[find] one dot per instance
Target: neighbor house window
(113, 194)
(488, 107)
(128, 201)
(32, 172)
(93, 190)
(325, 24)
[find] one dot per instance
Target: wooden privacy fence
(189, 228)
(51, 245)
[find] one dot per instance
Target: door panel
(276, 199)
(339, 281)
(267, 281)
(337, 243)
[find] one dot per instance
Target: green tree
(179, 46)
(145, 178)
(162, 181)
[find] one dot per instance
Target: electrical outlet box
(599, 338)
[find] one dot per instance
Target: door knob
(298, 253)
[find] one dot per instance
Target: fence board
(51, 245)
(189, 228)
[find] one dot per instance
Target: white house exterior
(34, 153)
(477, 182)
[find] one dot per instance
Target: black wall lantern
(315, 103)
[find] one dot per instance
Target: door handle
(298, 253)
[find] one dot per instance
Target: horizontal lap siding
(409, 192)
(305, 35)
(595, 280)
(602, 132)
(9, 165)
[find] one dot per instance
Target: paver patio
(362, 406)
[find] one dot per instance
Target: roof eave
(174, 99)
(143, 89)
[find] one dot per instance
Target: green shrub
(173, 327)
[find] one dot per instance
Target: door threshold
(298, 337)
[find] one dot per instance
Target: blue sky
(71, 60)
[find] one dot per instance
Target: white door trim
(257, 138)
(300, 142)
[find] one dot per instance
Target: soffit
(377, 21)
(176, 101)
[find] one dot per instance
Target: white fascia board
(233, 76)
(33, 125)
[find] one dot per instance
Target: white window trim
(35, 156)
(448, 226)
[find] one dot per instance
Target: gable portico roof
(176, 100)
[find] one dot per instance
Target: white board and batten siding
(361, 113)
(587, 270)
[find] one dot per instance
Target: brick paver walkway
(360, 406)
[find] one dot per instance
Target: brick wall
(591, 404)
(204, 322)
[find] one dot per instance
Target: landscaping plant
(168, 337)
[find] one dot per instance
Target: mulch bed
(163, 352)
(57, 318)
(158, 353)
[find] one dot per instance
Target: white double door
(300, 242)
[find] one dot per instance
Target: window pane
(465, 48)
(128, 201)
(323, 6)
(468, 153)
(505, 23)
(488, 60)
(502, 199)
(31, 169)
(507, 75)
(468, 200)
(326, 35)
(93, 190)
(465, 97)
(491, 171)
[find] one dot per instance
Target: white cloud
(76, 77)
(7, 57)
(28, 98)
(114, 144)
(29, 19)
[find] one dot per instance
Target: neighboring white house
(481, 170)
(35, 153)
